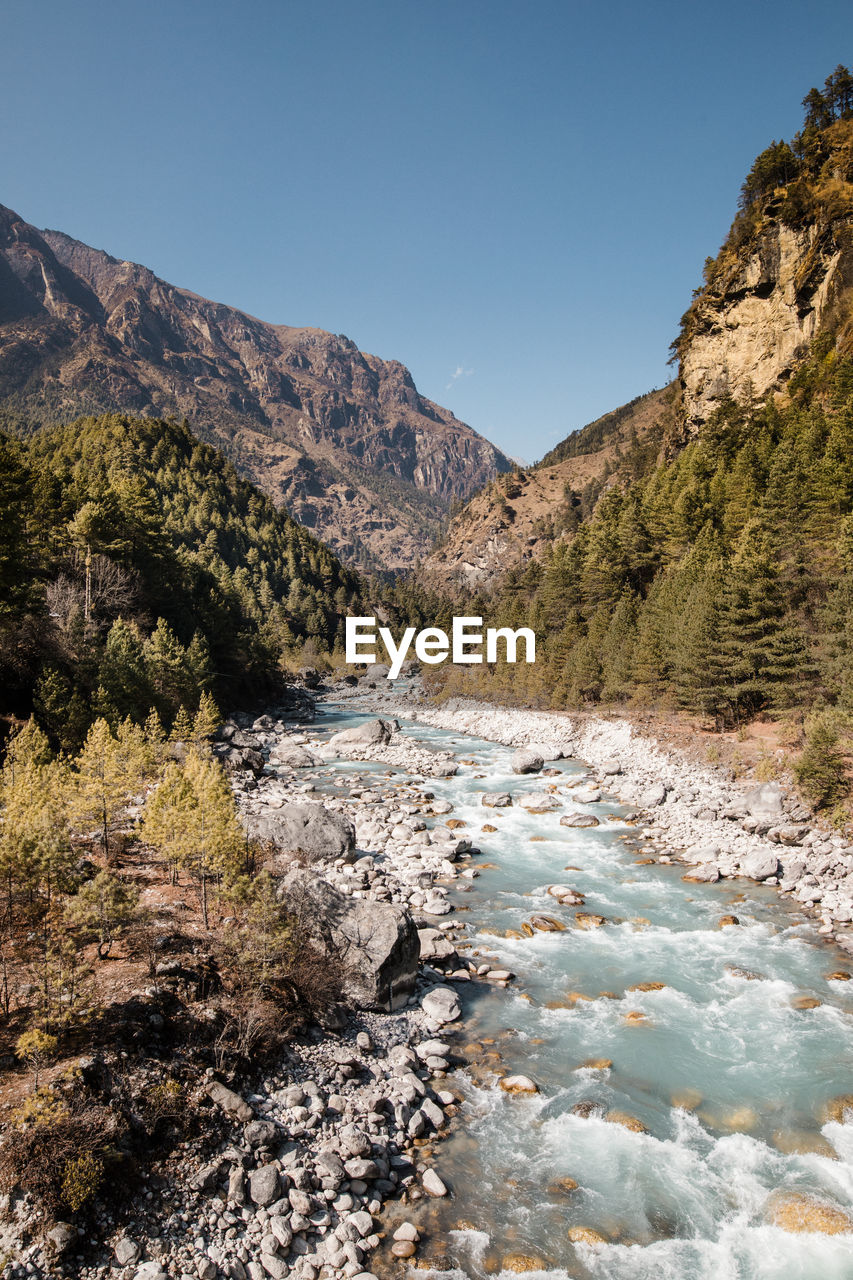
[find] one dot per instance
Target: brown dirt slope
(517, 517)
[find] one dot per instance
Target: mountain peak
(342, 438)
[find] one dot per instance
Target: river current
(714, 1100)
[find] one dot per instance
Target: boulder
(764, 801)
(235, 759)
(701, 853)
(760, 865)
(264, 1185)
(579, 819)
(229, 1101)
(586, 795)
(291, 755)
(653, 796)
(796, 1211)
(261, 1133)
(376, 943)
(371, 733)
(150, 1271)
(611, 768)
(62, 1236)
(441, 1005)
(495, 799)
(432, 1184)
(787, 834)
(706, 873)
(126, 1252)
(318, 833)
(540, 802)
(526, 761)
(547, 753)
(435, 945)
(519, 1084)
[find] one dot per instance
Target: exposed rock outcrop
(376, 943)
(311, 830)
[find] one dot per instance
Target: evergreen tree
(124, 686)
(192, 820)
(102, 909)
(761, 656)
(108, 771)
(821, 769)
(35, 848)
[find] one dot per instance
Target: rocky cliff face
(342, 438)
(748, 337)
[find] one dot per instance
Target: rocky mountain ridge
(782, 280)
(517, 517)
(341, 438)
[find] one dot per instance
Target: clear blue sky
(515, 199)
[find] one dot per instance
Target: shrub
(821, 769)
(42, 1107)
(36, 1047)
(82, 1180)
(60, 1162)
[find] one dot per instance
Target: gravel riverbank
(349, 1121)
(693, 814)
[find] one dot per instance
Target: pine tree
(35, 848)
(124, 688)
(761, 656)
(206, 721)
(182, 729)
(192, 820)
(165, 823)
(821, 769)
(102, 909)
(109, 770)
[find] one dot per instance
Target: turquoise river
(716, 1107)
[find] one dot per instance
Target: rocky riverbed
(347, 1126)
(692, 814)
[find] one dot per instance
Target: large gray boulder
(540, 802)
(760, 865)
(291, 755)
(376, 943)
(579, 819)
(653, 796)
(317, 833)
(495, 799)
(441, 1005)
(764, 801)
(229, 1101)
(372, 733)
(377, 671)
(264, 1185)
(526, 761)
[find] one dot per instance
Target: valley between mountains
(515, 967)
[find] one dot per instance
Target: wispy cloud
(458, 373)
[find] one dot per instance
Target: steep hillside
(342, 439)
(715, 577)
(137, 569)
(517, 517)
(784, 275)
